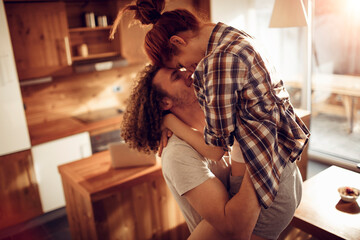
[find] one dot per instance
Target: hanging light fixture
(288, 13)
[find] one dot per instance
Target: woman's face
(188, 56)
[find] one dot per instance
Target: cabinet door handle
(67, 50)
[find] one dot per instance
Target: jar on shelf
(83, 50)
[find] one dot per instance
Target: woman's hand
(165, 135)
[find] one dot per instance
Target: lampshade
(288, 13)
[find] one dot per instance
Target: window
(335, 93)
(336, 79)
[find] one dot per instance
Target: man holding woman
(244, 102)
(199, 185)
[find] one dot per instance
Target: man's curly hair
(141, 124)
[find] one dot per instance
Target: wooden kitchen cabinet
(127, 43)
(40, 39)
(94, 39)
(97, 44)
(19, 194)
(129, 38)
(129, 203)
(47, 36)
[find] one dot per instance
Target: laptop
(122, 156)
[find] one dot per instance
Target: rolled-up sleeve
(220, 96)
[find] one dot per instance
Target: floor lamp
(292, 13)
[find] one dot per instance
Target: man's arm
(192, 179)
(234, 218)
(205, 231)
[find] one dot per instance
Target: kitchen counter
(95, 178)
(50, 106)
(127, 203)
(56, 129)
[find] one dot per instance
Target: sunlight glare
(353, 6)
(353, 12)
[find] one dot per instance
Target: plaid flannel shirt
(243, 98)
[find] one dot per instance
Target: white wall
(14, 134)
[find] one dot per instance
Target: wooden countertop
(322, 213)
(95, 178)
(56, 129)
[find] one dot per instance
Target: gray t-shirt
(185, 169)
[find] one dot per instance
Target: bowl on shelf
(348, 194)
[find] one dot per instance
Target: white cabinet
(47, 157)
(14, 135)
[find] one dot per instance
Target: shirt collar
(215, 37)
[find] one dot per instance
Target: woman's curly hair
(141, 124)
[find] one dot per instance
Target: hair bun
(149, 11)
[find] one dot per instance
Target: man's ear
(177, 41)
(166, 103)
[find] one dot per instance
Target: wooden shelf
(88, 29)
(95, 56)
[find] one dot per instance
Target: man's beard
(184, 99)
